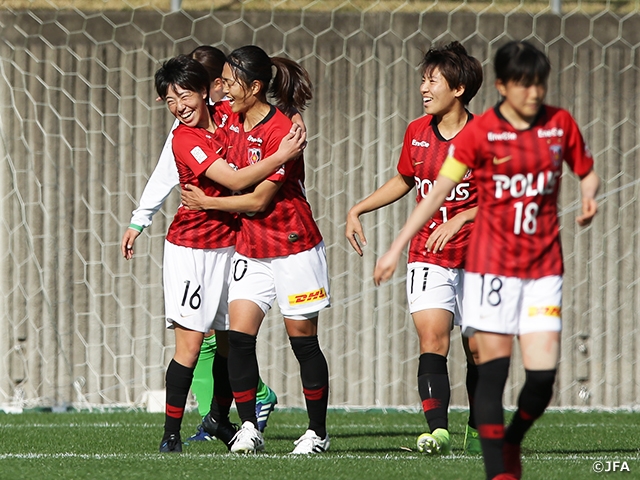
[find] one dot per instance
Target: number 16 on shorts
(191, 297)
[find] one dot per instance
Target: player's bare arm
(194, 198)
(589, 185)
(446, 231)
(386, 265)
(290, 148)
(128, 239)
(392, 190)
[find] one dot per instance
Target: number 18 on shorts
(511, 305)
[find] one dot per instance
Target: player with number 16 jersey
(518, 177)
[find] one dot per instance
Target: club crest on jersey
(556, 154)
(313, 296)
(255, 154)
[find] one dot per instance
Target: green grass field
(365, 446)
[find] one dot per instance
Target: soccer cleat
(472, 444)
(512, 460)
(504, 476)
(264, 407)
(247, 440)
(311, 443)
(436, 443)
(224, 431)
(171, 444)
(201, 435)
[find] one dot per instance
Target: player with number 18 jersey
(518, 176)
(423, 153)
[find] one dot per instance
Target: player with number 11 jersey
(423, 153)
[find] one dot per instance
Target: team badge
(255, 154)
(556, 154)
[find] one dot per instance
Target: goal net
(80, 132)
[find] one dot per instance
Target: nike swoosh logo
(417, 163)
(499, 161)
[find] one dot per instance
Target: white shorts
(510, 305)
(299, 282)
(196, 286)
(431, 286)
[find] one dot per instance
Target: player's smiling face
(187, 106)
(520, 100)
(240, 96)
(438, 98)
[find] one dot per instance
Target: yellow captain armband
(453, 169)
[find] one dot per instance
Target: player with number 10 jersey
(286, 226)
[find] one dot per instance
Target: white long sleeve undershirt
(159, 186)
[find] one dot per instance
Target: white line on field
(341, 427)
(330, 457)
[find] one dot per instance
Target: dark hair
(183, 71)
(521, 62)
(251, 63)
(291, 88)
(456, 66)
(211, 58)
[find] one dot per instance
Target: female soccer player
(280, 254)
(199, 245)
(450, 79)
(513, 285)
(161, 183)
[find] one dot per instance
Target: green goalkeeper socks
(202, 385)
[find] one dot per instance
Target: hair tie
(240, 67)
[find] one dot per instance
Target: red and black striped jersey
(518, 172)
(287, 225)
(423, 152)
(195, 149)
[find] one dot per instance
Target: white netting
(80, 133)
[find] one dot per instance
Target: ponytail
(291, 88)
